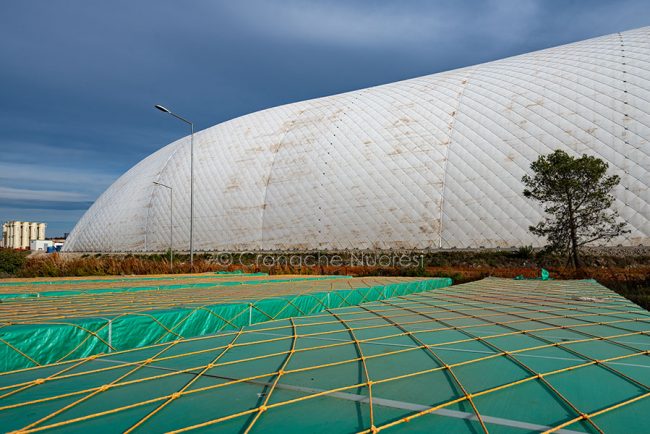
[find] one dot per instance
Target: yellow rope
(262, 408)
(185, 387)
(362, 358)
(441, 311)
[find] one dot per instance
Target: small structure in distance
(18, 235)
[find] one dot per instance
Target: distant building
(57, 243)
(17, 234)
(40, 245)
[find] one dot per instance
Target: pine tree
(576, 195)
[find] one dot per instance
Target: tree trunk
(574, 238)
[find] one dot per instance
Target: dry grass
(55, 265)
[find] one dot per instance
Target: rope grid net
(82, 325)
(135, 286)
(495, 355)
(59, 282)
(32, 310)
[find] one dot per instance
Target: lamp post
(171, 225)
(163, 109)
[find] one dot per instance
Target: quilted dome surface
(431, 162)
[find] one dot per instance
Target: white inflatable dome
(432, 162)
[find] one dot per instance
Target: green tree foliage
(11, 261)
(576, 195)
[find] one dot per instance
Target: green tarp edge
(216, 275)
(28, 345)
(67, 293)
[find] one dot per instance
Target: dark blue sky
(78, 78)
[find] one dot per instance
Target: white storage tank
(41, 231)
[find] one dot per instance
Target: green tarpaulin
(25, 345)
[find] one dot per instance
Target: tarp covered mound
(498, 355)
(101, 290)
(54, 339)
(76, 281)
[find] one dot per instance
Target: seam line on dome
(273, 158)
(452, 124)
(153, 190)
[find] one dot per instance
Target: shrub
(11, 261)
(524, 252)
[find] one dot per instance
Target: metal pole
(191, 124)
(171, 230)
(171, 225)
(192, 197)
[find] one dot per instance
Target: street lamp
(171, 225)
(163, 109)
